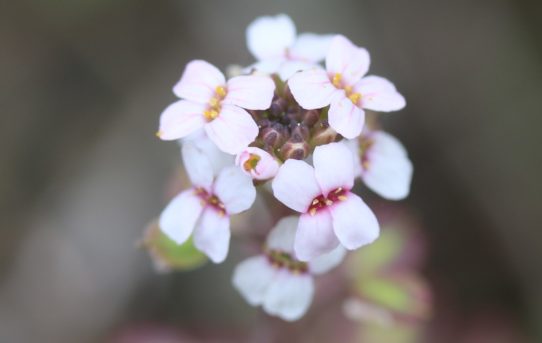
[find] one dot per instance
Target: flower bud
(295, 150)
(311, 117)
(273, 135)
(324, 134)
(299, 133)
(257, 163)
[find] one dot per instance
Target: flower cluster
(291, 127)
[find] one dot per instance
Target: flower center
(321, 202)
(251, 162)
(211, 200)
(214, 104)
(282, 259)
(337, 81)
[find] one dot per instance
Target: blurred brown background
(82, 83)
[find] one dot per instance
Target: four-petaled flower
(283, 285)
(342, 87)
(217, 106)
(205, 209)
(330, 213)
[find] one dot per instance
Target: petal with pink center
(212, 234)
(199, 81)
(253, 92)
(314, 236)
(180, 119)
(389, 170)
(180, 216)
(345, 117)
(257, 163)
(252, 277)
(198, 165)
(295, 185)
(312, 88)
(289, 295)
(328, 261)
(310, 47)
(333, 166)
(233, 129)
(270, 36)
(282, 236)
(354, 223)
(379, 94)
(235, 190)
(346, 59)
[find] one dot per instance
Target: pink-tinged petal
(345, 117)
(314, 236)
(345, 58)
(235, 190)
(389, 170)
(379, 94)
(217, 158)
(233, 129)
(198, 165)
(179, 217)
(252, 278)
(295, 185)
(326, 262)
(257, 163)
(289, 295)
(270, 36)
(282, 236)
(199, 81)
(333, 166)
(310, 47)
(212, 234)
(354, 223)
(267, 66)
(253, 92)
(180, 119)
(312, 88)
(289, 68)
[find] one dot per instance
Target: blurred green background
(82, 84)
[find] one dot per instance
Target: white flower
(273, 41)
(257, 163)
(205, 209)
(281, 284)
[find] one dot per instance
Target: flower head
(330, 213)
(257, 163)
(343, 87)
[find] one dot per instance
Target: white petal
(253, 92)
(379, 94)
(353, 145)
(179, 217)
(354, 223)
(289, 68)
(180, 119)
(235, 190)
(265, 167)
(333, 166)
(326, 262)
(282, 236)
(312, 88)
(289, 296)
(310, 47)
(345, 117)
(217, 158)
(198, 165)
(389, 170)
(267, 66)
(347, 59)
(314, 236)
(233, 129)
(269, 37)
(295, 185)
(212, 235)
(252, 278)
(199, 81)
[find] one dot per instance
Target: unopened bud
(323, 134)
(278, 106)
(299, 133)
(273, 135)
(295, 150)
(311, 117)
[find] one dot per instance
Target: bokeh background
(82, 84)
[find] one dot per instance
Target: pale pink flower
(218, 106)
(257, 163)
(204, 210)
(382, 164)
(330, 213)
(272, 40)
(342, 87)
(276, 280)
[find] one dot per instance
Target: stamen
(342, 197)
(336, 80)
(220, 91)
(312, 211)
(210, 114)
(355, 98)
(252, 162)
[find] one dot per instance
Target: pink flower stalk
(276, 280)
(382, 164)
(272, 40)
(330, 213)
(205, 209)
(209, 102)
(343, 87)
(257, 163)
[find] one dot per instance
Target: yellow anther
(159, 134)
(338, 190)
(337, 80)
(329, 202)
(342, 197)
(312, 212)
(252, 162)
(220, 91)
(354, 97)
(315, 201)
(210, 114)
(214, 102)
